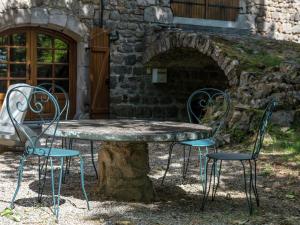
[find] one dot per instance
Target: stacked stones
(276, 18)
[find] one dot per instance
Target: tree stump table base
(123, 169)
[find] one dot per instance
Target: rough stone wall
(276, 18)
(139, 24)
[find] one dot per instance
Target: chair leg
(53, 186)
(56, 196)
(42, 180)
(20, 176)
(93, 161)
(254, 185)
(205, 191)
(214, 181)
(200, 165)
(188, 161)
(185, 164)
(201, 169)
(248, 195)
(59, 186)
(169, 161)
(218, 181)
(82, 182)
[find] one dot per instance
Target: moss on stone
(259, 54)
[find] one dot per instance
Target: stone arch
(64, 22)
(168, 40)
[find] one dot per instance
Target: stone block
(22, 16)
(58, 17)
(158, 14)
(39, 15)
(130, 60)
(86, 11)
(146, 2)
(114, 15)
(283, 118)
(73, 24)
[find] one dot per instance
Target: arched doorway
(36, 55)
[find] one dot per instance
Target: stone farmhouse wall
(275, 18)
(140, 23)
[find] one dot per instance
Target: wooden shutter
(207, 9)
(99, 73)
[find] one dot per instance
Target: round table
(123, 161)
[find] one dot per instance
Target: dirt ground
(176, 203)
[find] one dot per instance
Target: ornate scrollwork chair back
(57, 90)
(209, 106)
(37, 104)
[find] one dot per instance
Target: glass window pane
(3, 70)
(59, 44)
(62, 71)
(18, 70)
(17, 82)
(18, 54)
(3, 40)
(44, 55)
(44, 70)
(18, 39)
(3, 86)
(61, 56)
(3, 54)
(64, 84)
(44, 41)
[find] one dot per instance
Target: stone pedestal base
(123, 168)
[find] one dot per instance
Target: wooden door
(37, 56)
(99, 73)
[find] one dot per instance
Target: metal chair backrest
(209, 106)
(263, 127)
(37, 103)
(55, 89)
(6, 124)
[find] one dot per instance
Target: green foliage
(238, 135)
(10, 214)
(286, 141)
(286, 138)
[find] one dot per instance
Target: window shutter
(227, 10)
(99, 73)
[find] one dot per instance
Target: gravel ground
(176, 203)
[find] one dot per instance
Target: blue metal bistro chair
(242, 157)
(207, 106)
(38, 103)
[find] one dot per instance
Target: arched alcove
(187, 71)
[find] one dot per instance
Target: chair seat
(229, 156)
(200, 143)
(55, 152)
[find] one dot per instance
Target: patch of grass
(267, 170)
(287, 141)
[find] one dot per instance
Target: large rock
(123, 169)
(283, 118)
